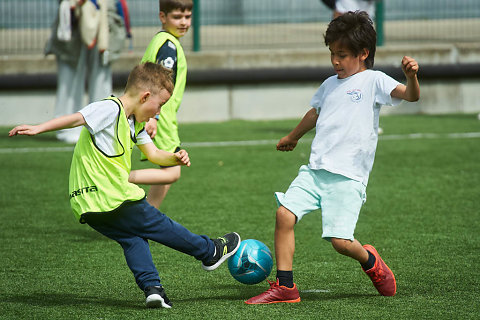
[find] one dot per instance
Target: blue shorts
(340, 199)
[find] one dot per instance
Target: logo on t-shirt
(355, 95)
(168, 63)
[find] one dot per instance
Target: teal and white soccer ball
(252, 263)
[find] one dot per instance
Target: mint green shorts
(340, 199)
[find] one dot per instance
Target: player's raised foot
(276, 294)
(156, 298)
(381, 275)
(225, 247)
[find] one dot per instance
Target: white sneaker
(156, 297)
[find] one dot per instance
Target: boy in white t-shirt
(345, 111)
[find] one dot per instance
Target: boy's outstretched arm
(164, 158)
(63, 122)
(289, 142)
(411, 91)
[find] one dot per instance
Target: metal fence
(25, 25)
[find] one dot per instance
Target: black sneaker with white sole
(156, 298)
(225, 247)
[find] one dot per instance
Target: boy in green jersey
(165, 49)
(100, 193)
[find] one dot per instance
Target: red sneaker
(381, 275)
(276, 294)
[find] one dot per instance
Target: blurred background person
(343, 6)
(339, 7)
(86, 37)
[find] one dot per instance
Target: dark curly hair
(355, 31)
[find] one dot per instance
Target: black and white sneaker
(156, 297)
(225, 247)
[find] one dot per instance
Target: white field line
(36, 150)
(462, 135)
(230, 143)
(315, 291)
(411, 136)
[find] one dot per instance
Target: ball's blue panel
(252, 263)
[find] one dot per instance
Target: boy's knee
(173, 175)
(176, 176)
(285, 218)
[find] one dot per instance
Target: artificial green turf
(422, 214)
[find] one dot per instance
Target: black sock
(285, 278)
(370, 262)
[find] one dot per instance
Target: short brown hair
(355, 31)
(151, 77)
(167, 6)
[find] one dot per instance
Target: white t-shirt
(343, 6)
(347, 127)
(101, 119)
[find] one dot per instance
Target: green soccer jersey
(167, 125)
(99, 182)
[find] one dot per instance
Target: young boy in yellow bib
(165, 49)
(102, 197)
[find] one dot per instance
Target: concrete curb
(259, 66)
(429, 54)
(257, 85)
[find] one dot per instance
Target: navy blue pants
(134, 223)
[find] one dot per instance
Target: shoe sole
(156, 301)
(286, 301)
(225, 257)
(375, 253)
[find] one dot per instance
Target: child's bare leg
(284, 290)
(352, 249)
(159, 179)
(157, 193)
(382, 277)
(284, 239)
